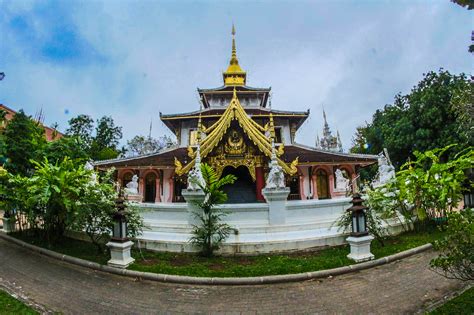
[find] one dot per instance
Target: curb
(220, 281)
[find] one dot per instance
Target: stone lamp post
(359, 240)
(120, 246)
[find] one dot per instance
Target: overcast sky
(134, 59)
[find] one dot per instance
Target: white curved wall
(309, 223)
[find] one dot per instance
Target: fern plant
(211, 231)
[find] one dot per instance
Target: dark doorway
(180, 183)
(323, 184)
(243, 189)
(150, 187)
(294, 183)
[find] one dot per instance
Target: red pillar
(259, 182)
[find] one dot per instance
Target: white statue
(386, 170)
(195, 178)
(93, 178)
(276, 178)
(342, 183)
(132, 187)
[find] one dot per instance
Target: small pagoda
(236, 131)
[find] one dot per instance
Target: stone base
(276, 199)
(120, 254)
(360, 248)
(133, 198)
(193, 197)
(9, 224)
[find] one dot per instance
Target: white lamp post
(120, 246)
(359, 240)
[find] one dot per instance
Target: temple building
(236, 130)
(328, 141)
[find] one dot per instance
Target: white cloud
(348, 57)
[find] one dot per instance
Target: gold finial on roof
(234, 75)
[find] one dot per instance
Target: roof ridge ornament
(234, 75)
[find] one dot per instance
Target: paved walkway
(402, 287)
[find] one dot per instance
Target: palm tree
(211, 232)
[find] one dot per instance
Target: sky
(134, 59)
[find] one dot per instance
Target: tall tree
(67, 146)
(82, 127)
(140, 145)
(24, 141)
(100, 142)
(428, 117)
(106, 140)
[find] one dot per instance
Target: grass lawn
(276, 264)
(10, 305)
(462, 304)
(237, 266)
(67, 246)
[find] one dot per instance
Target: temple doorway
(150, 187)
(322, 183)
(243, 189)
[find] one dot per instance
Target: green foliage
(66, 196)
(67, 146)
(106, 139)
(10, 305)
(374, 224)
(99, 146)
(96, 207)
(460, 305)
(81, 127)
(24, 141)
(456, 259)
(389, 203)
(211, 232)
(432, 115)
(54, 192)
(434, 188)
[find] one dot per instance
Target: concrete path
(401, 287)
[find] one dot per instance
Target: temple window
(278, 135)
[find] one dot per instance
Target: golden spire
(234, 75)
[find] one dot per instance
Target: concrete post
(193, 197)
(276, 199)
(9, 224)
(360, 248)
(120, 254)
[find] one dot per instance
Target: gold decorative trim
(235, 111)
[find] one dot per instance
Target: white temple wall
(308, 223)
(185, 127)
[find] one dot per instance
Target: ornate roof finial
(233, 59)
(234, 75)
(199, 127)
